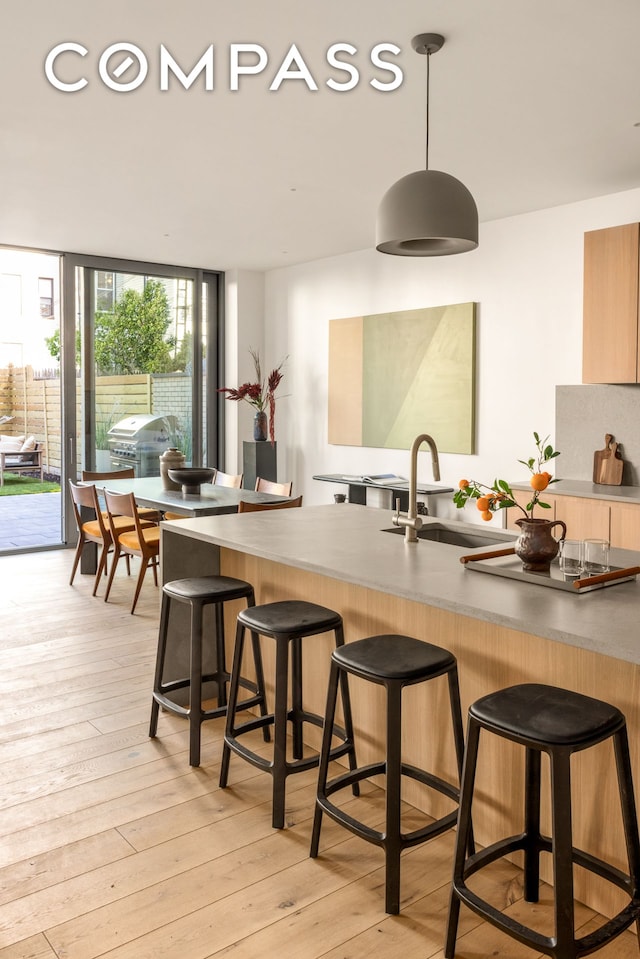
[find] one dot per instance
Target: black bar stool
(558, 722)
(288, 623)
(197, 593)
(394, 662)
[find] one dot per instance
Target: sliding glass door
(143, 341)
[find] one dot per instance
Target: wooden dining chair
(233, 481)
(94, 528)
(267, 486)
(245, 507)
(141, 541)
(93, 476)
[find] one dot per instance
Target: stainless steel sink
(469, 538)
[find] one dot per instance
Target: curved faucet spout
(412, 522)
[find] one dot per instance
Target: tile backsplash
(583, 415)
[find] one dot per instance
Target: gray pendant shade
(427, 213)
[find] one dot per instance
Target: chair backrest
(89, 476)
(227, 479)
(122, 504)
(266, 486)
(244, 507)
(86, 496)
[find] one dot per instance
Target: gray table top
(212, 500)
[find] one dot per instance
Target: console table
(358, 488)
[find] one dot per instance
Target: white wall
(526, 276)
(244, 330)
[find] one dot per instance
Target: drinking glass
(596, 556)
(571, 558)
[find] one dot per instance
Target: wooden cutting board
(608, 464)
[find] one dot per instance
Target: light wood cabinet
(625, 525)
(587, 518)
(611, 330)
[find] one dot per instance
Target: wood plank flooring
(112, 846)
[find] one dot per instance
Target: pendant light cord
(427, 139)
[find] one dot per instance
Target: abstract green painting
(395, 375)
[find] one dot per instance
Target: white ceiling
(533, 104)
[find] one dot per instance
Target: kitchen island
(501, 631)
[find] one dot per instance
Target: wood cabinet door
(625, 525)
(585, 518)
(610, 305)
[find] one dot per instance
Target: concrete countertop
(345, 542)
(625, 494)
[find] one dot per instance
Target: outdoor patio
(30, 520)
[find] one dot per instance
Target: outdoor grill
(139, 440)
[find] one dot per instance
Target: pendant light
(427, 213)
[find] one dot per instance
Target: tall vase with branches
(260, 394)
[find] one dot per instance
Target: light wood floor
(113, 846)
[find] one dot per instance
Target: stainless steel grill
(139, 440)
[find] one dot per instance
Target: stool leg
(296, 697)
(458, 733)
(232, 704)
(160, 656)
(279, 767)
(346, 712)
(221, 656)
(323, 770)
(195, 684)
(629, 815)
(463, 833)
(392, 843)
(562, 852)
(532, 826)
(260, 687)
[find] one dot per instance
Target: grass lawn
(15, 485)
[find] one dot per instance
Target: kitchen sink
(469, 538)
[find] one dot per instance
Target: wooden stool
(288, 623)
(197, 593)
(559, 723)
(393, 662)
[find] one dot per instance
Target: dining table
(212, 500)
(149, 491)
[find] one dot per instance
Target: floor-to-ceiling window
(128, 365)
(145, 340)
(30, 407)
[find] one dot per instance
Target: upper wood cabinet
(611, 328)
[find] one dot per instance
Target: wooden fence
(35, 405)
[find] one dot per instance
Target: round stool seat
(215, 589)
(290, 617)
(392, 657)
(547, 715)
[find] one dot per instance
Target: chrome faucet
(412, 522)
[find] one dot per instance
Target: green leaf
(543, 505)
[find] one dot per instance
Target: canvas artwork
(395, 375)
